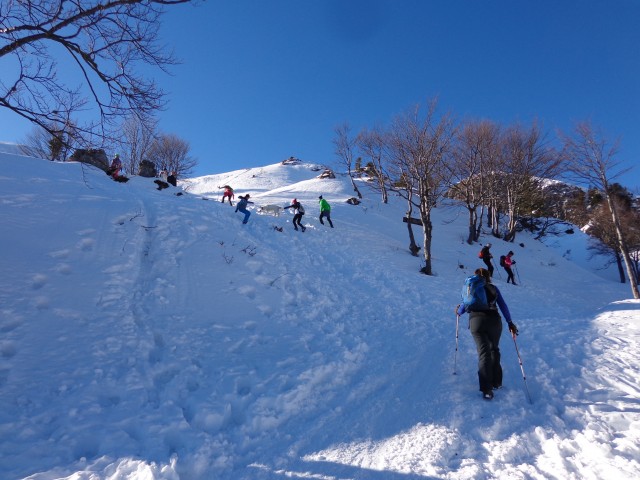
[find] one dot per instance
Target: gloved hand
(456, 309)
(513, 262)
(513, 329)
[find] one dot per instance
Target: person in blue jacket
(486, 329)
(241, 206)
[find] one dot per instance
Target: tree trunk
(427, 232)
(479, 225)
(495, 222)
(413, 246)
(620, 267)
(355, 187)
(473, 224)
(633, 281)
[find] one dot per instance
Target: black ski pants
(486, 328)
(487, 262)
(510, 277)
(297, 221)
(326, 214)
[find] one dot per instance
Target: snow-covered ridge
(272, 180)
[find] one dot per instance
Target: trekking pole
(524, 377)
(496, 269)
(517, 275)
(455, 356)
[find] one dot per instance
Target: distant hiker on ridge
(485, 325)
(325, 211)
(116, 166)
(486, 257)
(242, 207)
(298, 212)
(228, 192)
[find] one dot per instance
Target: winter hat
(320, 197)
(488, 245)
(510, 253)
(295, 200)
(247, 196)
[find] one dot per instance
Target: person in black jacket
(485, 255)
(486, 328)
(298, 211)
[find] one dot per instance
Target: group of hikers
(298, 209)
(483, 301)
(506, 262)
(115, 169)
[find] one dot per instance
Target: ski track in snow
(314, 379)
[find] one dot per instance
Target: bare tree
(105, 41)
(372, 145)
(42, 143)
(420, 145)
(475, 149)
(601, 227)
(590, 158)
(526, 159)
(138, 138)
(344, 149)
(171, 153)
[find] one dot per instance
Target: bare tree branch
(107, 41)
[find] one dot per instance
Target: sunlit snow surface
(149, 335)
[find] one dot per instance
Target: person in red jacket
(116, 166)
(228, 192)
(508, 261)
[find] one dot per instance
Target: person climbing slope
(485, 325)
(241, 206)
(298, 212)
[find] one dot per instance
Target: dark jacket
(242, 203)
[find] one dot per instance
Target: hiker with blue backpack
(481, 299)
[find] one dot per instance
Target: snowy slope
(150, 335)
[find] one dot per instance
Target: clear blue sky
(264, 80)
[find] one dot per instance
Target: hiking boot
(487, 395)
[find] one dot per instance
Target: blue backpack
(474, 296)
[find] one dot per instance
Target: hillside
(151, 335)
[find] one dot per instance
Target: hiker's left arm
(503, 307)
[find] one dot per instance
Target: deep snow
(146, 335)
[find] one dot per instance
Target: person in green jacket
(325, 211)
